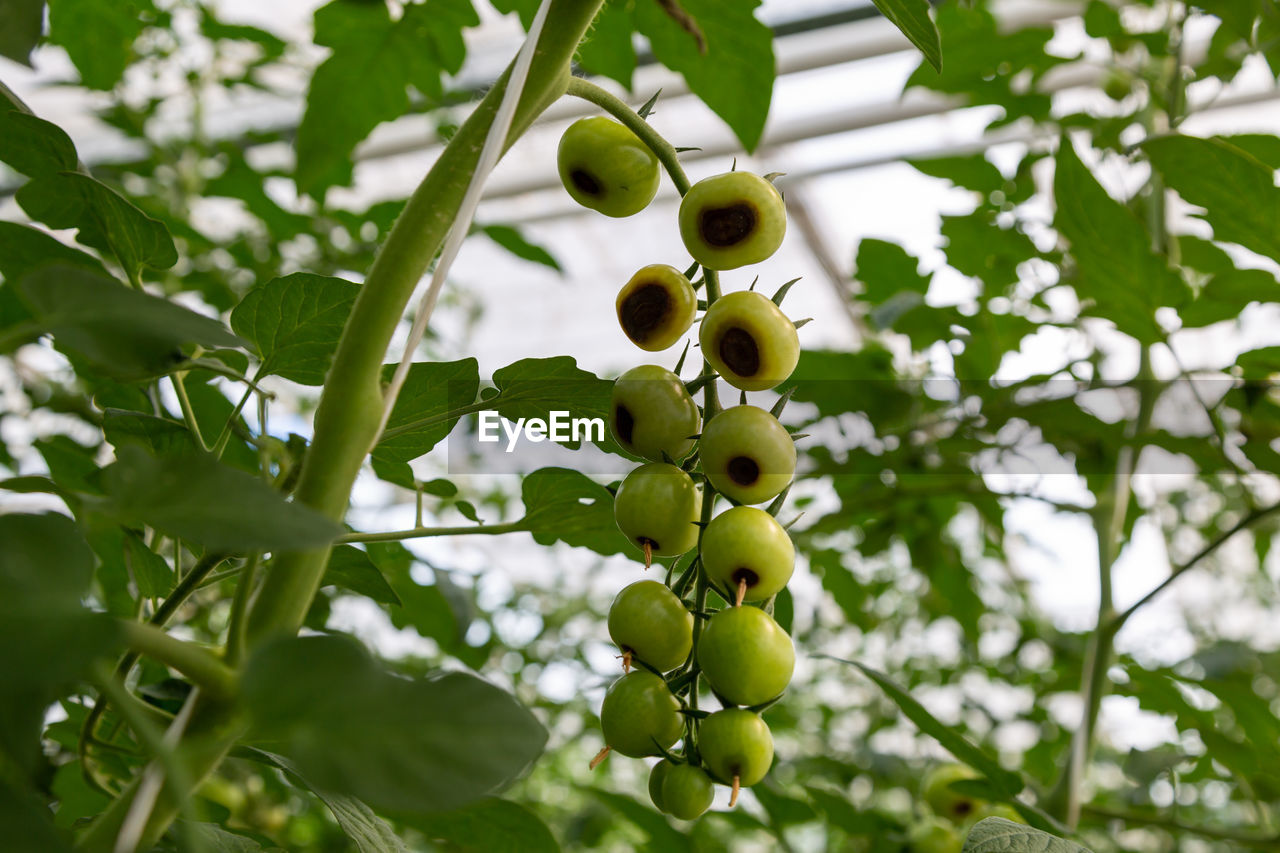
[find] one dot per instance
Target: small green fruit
(606, 167)
(747, 544)
(748, 339)
(650, 622)
(656, 507)
(746, 655)
(737, 747)
(640, 716)
(652, 413)
(687, 791)
(732, 220)
(656, 307)
(747, 454)
(945, 801)
(657, 776)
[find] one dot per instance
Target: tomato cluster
(672, 635)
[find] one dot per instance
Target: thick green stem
(197, 663)
(350, 408)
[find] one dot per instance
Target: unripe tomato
(746, 655)
(736, 743)
(747, 455)
(656, 307)
(649, 621)
(652, 413)
(687, 791)
(656, 507)
(748, 339)
(640, 716)
(732, 220)
(747, 544)
(606, 167)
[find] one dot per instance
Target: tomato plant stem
(424, 532)
(199, 664)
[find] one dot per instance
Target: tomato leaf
(912, 17)
(98, 36)
(997, 835)
(351, 568)
(488, 826)
(21, 24)
(33, 146)
(105, 219)
(422, 417)
(124, 333)
(415, 746)
(567, 506)
(1006, 782)
(201, 500)
(387, 57)
(735, 76)
(514, 242)
(608, 50)
(1117, 268)
(1236, 190)
(294, 323)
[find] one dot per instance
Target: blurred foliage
(929, 448)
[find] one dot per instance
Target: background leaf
(426, 745)
(294, 323)
(912, 17)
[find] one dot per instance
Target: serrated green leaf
(201, 500)
(26, 823)
(21, 24)
(214, 839)
(735, 76)
(23, 249)
(534, 387)
(105, 220)
(368, 832)
(1237, 191)
(351, 568)
(415, 746)
(159, 435)
(295, 322)
(387, 57)
(886, 269)
(123, 333)
(150, 572)
(45, 569)
(1004, 781)
(997, 835)
(1117, 268)
(33, 146)
(514, 242)
(98, 36)
(608, 50)
(429, 610)
(912, 17)
(567, 506)
(488, 826)
(421, 417)
(973, 172)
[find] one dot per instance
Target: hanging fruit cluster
(710, 623)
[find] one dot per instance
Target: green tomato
(652, 413)
(746, 655)
(687, 791)
(656, 507)
(736, 745)
(1003, 810)
(747, 544)
(606, 167)
(732, 220)
(656, 307)
(747, 455)
(748, 339)
(640, 716)
(649, 621)
(657, 776)
(933, 836)
(945, 801)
